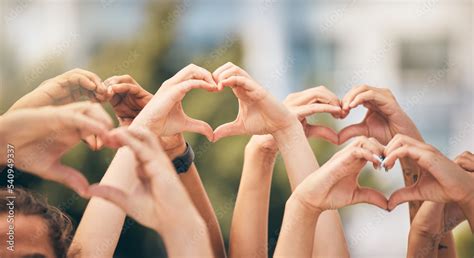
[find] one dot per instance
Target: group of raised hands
(142, 180)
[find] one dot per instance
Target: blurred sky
(422, 50)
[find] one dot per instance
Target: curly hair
(59, 226)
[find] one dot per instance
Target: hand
(259, 112)
(158, 197)
(384, 119)
(63, 89)
(441, 180)
(302, 104)
(450, 214)
(127, 97)
(41, 136)
(334, 185)
(164, 113)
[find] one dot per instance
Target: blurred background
(422, 50)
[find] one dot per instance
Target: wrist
(262, 144)
(290, 134)
(296, 203)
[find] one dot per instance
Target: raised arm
(441, 180)
(385, 118)
(260, 113)
(332, 186)
(431, 230)
(250, 220)
(158, 200)
(164, 115)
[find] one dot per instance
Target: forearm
(190, 239)
(249, 229)
(196, 191)
(425, 244)
(300, 162)
(297, 230)
(99, 230)
(467, 208)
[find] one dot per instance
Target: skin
(434, 221)
(149, 201)
(41, 149)
(248, 235)
(72, 86)
(63, 89)
(260, 113)
(441, 180)
(25, 246)
(332, 186)
(384, 119)
(163, 114)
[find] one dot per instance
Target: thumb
(371, 196)
(69, 177)
(228, 129)
(403, 195)
(111, 194)
(352, 131)
(323, 132)
(198, 126)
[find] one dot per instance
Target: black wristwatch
(184, 161)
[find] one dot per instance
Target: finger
(347, 99)
(111, 194)
(84, 125)
(371, 196)
(318, 94)
(91, 141)
(401, 140)
(82, 81)
(101, 89)
(188, 85)
(370, 144)
(118, 79)
(233, 70)
(69, 177)
(122, 88)
(96, 112)
(229, 129)
(311, 109)
(220, 69)
(238, 82)
(323, 132)
(370, 95)
(413, 152)
(405, 194)
(465, 164)
(141, 151)
(352, 131)
(192, 72)
(364, 154)
(198, 126)
(146, 136)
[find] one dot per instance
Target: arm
(332, 186)
(193, 184)
(249, 229)
(441, 180)
(101, 216)
(99, 230)
(384, 119)
(260, 113)
(159, 200)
